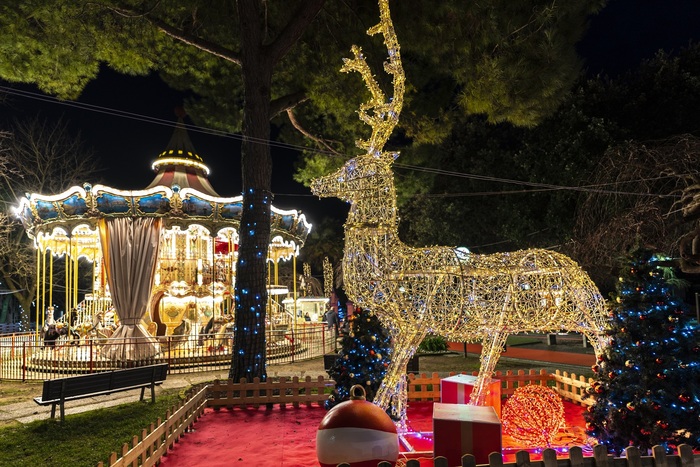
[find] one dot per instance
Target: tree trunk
(248, 358)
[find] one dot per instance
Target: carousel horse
(51, 335)
(216, 328)
(181, 333)
(65, 330)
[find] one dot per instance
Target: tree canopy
(251, 62)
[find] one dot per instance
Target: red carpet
(287, 437)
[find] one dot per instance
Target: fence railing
(569, 386)
(156, 440)
(29, 357)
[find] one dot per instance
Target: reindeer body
(446, 290)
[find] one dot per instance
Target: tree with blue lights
(647, 382)
(363, 358)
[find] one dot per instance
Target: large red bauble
(357, 432)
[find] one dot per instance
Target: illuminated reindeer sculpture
(443, 290)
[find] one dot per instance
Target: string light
(533, 415)
(442, 290)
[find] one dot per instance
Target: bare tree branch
(36, 157)
(176, 33)
(650, 197)
(320, 142)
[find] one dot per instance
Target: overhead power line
(537, 187)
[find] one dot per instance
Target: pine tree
(363, 358)
(647, 382)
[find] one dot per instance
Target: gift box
(460, 429)
(457, 390)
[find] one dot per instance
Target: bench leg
(63, 412)
(53, 410)
(142, 392)
(153, 393)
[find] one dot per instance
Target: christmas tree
(363, 358)
(647, 382)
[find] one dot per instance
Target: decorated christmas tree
(363, 358)
(647, 383)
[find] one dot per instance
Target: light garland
(441, 290)
(533, 415)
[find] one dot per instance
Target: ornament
(595, 368)
(533, 415)
(611, 375)
(629, 363)
(659, 360)
(357, 432)
(630, 406)
(661, 376)
(662, 424)
(684, 397)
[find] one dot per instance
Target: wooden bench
(58, 391)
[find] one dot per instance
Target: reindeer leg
(492, 346)
(392, 394)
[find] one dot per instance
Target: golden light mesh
(443, 290)
(533, 415)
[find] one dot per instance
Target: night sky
(624, 33)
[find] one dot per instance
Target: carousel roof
(179, 164)
(188, 200)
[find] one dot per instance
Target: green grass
(522, 340)
(83, 439)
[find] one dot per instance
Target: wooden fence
(147, 449)
(569, 386)
(601, 458)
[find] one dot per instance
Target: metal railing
(27, 356)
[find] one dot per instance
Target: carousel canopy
(179, 164)
(180, 194)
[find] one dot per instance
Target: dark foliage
(363, 358)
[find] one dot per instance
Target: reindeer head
(362, 177)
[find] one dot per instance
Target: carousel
(162, 261)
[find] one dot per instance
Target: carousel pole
(294, 290)
(68, 275)
(38, 287)
(43, 289)
(269, 295)
(51, 279)
(212, 260)
(76, 267)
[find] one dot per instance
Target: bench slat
(57, 391)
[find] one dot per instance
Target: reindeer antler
(384, 113)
